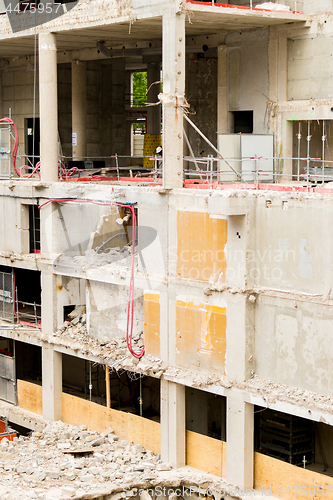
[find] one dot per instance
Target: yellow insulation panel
(201, 242)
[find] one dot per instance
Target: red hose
(130, 307)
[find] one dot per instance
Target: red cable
(14, 153)
(130, 306)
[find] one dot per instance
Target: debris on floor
(65, 461)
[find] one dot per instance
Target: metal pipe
(210, 144)
(211, 169)
(117, 165)
(299, 136)
(90, 383)
(14, 355)
(140, 399)
(112, 54)
(308, 156)
(192, 154)
(257, 172)
(17, 309)
(107, 386)
(323, 152)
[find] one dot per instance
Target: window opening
(34, 229)
(243, 122)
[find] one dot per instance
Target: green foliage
(140, 126)
(139, 89)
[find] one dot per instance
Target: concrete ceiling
(200, 20)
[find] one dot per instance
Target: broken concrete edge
(210, 484)
(258, 391)
(113, 353)
(269, 392)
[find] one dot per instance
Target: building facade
(182, 300)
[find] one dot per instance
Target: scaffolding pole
(323, 151)
(308, 156)
(107, 385)
(299, 137)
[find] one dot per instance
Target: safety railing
(273, 6)
(28, 313)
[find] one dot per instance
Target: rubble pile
(272, 392)
(65, 461)
(71, 459)
(113, 352)
(198, 379)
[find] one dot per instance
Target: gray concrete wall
(14, 226)
(65, 108)
(310, 67)
(107, 310)
(17, 94)
(70, 292)
(286, 254)
(93, 108)
(201, 93)
(75, 226)
(106, 123)
(293, 344)
(248, 74)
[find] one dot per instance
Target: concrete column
(224, 117)
(49, 302)
(173, 423)
(52, 383)
(48, 238)
(79, 109)
(48, 106)
(287, 149)
(118, 116)
(240, 452)
(173, 57)
(240, 338)
(153, 112)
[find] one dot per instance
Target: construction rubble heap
(67, 461)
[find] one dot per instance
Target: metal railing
(33, 315)
(294, 5)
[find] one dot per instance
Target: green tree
(139, 89)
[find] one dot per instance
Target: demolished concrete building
(181, 299)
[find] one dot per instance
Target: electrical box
(249, 154)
